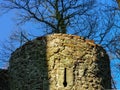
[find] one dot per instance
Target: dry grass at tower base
(60, 62)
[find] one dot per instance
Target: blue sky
(116, 72)
(8, 24)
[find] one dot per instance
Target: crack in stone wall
(46, 63)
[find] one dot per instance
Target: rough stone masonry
(60, 62)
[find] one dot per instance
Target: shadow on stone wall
(4, 79)
(28, 66)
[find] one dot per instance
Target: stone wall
(4, 79)
(60, 62)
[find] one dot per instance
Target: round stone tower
(60, 62)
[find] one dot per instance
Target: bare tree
(58, 15)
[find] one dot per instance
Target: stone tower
(60, 62)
